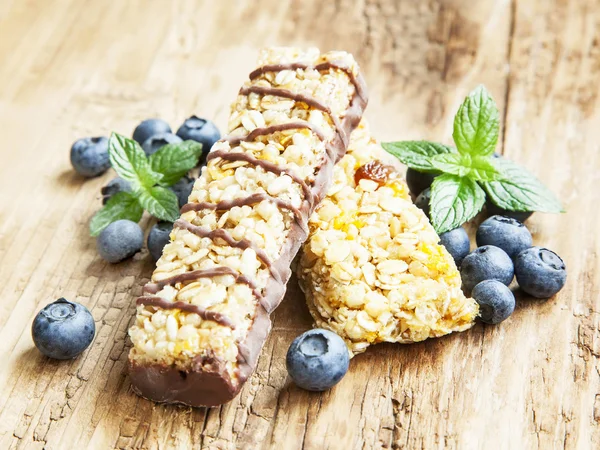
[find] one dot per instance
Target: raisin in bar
(372, 268)
(204, 317)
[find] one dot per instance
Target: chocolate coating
(206, 385)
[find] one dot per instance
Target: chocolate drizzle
(296, 125)
(299, 97)
(155, 287)
(208, 382)
(359, 85)
(206, 314)
(221, 233)
(271, 129)
(266, 165)
(250, 200)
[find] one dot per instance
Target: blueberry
(182, 189)
(63, 329)
(200, 130)
(540, 272)
(418, 181)
(89, 156)
(153, 143)
(422, 201)
(496, 301)
(496, 155)
(457, 243)
(495, 210)
(149, 128)
(120, 240)
(317, 360)
(158, 238)
(504, 232)
(113, 187)
(486, 263)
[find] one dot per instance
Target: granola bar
(372, 268)
(204, 317)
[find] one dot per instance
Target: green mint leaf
(451, 163)
(173, 161)
(417, 154)
(519, 190)
(477, 124)
(130, 162)
(160, 202)
(122, 205)
(483, 169)
(454, 201)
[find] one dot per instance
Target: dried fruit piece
(375, 171)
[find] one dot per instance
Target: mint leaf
(477, 124)
(417, 154)
(130, 162)
(122, 205)
(484, 169)
(454, 201)
(173, 161)
(160, 202)
(519, 190)
(451, 163)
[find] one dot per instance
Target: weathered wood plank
(70, 68)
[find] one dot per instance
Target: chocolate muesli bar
(204, 317)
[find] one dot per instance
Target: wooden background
(73, 68)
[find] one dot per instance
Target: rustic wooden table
(73, 68)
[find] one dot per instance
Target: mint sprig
(149, 179)
(469, 172)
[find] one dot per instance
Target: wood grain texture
(71, 68)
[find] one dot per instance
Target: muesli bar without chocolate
(204, 317)
(372, 268)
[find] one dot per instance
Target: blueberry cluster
(121, 239)
(152, 134)
(504, 251)
(89, 157)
